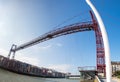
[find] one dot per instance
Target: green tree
(117, 73)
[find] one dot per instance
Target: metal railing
(86, 68)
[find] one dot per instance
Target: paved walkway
(116, 79)
(104, 80)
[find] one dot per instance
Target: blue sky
(24, 20)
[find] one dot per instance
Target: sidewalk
(116, 79)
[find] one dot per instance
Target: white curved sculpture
(105, 41)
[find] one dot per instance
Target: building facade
(115, 66)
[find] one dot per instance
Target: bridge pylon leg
(12, 51)
(100, 51)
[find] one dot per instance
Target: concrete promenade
(113, 80)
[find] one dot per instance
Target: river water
(6, 76)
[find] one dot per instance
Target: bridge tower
(100, 53)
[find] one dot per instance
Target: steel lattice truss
(77, 27)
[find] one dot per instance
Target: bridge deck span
(77, 27)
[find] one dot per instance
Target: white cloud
(59, 44)
(21, 57)
(33, 60)
(49, 46)
(3, 52)
(62, 68)
(7, 11)
(3, 30)
(45, 47)
(38, 48)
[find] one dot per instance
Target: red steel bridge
(73, 28)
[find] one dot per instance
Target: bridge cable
(71, 18)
